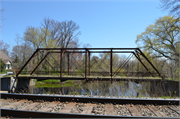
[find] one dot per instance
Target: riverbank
(56, 83)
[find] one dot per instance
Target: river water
(116, 88)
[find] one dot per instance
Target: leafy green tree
(161, 39)
(39, 37)
(2, 65)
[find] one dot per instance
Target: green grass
(48, 81)
(166, 97)
(3, 72)
(56, 83)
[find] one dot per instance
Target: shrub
(2, 65)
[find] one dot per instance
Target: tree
(2, 65)
(68, 30)
(20, 54)
(172, 5)
(52, 34)
(161, 39)
(39, 37)
(4, 47)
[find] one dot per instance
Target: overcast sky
(104, 24)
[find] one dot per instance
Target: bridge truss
(89, 63)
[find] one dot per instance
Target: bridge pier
(24, 83)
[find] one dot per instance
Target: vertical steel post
(48, 65)
(68, 63)
(61, 64)
(86, 64)
(34, 61)
(111, 64)
(38, 60)
(89, 63)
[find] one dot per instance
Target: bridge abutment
(11, 84)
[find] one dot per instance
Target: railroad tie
(109, 109)
(48, 107)
(175, 109)
(133, 110)
(67, 108)
(156, 111)
(11, 105)
(88, 108)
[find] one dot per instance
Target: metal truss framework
(87, 64)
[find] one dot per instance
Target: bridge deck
(89, 78)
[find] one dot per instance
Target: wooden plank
(88, 108)
(30, 106)
(109, 109)
(11, 105)
(48, 107)
(68, 108)
(133, 110)
(174, 109)
(156, 111)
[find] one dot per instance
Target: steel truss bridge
(84, 63)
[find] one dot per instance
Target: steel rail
(39, 114)
(36, 114)
(91, 99)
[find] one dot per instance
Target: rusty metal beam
(121, 66)
(86, 64)
(39, 63)
(87, 48)
(111, 65)
(149, 62)
(27, 62)
(53, 58)
(61, 64)
(92, 51)
(89, 62)
(68, 63)
(143, 64)
(51, 66)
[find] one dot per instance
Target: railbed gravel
(58, 107)
(99, 109)
(24, 104)
(122, 110)
(144, 111)
(39, 106)
(167, 111)
(78, 108)
(9, 102)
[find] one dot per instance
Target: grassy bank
(56, 83)
(3, 72)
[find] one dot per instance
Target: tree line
(160, 42)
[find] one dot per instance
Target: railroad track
(56, 106)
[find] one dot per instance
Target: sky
(103, 23)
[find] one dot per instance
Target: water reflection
(116, 88)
